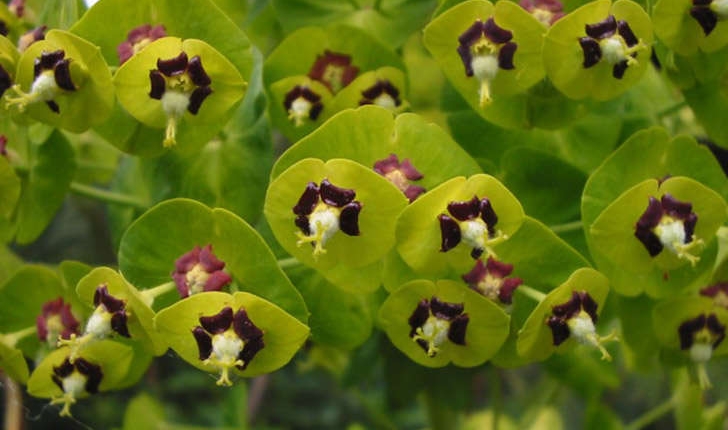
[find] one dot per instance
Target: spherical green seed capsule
(62, 81)
(174, 80)
(599, 50)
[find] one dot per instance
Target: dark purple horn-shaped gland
(487, 214)
(626, 32)
(196, 98)
(619, 69)
(335, 196)
(705, 17)
(716, 328)
(158, 84)
(204, 342)
(218, 323)
(592, 51)
(48, 60)
(308, 200)
(458, 327)
(349, 219)
(466, 210)
(472, 34)
(688, 328)
(244, 327)
(559, 330)
(505, 56)
(118, 323)
(419, 316)
(445, 310)
(589, 305)
(449, 232)
(5, 80)
(173, 66)
(251, 348)
(62, 75)
(568, 309)
(495, 33)
(111, 303)
(197, 73)
(602, 29)
(92, 372)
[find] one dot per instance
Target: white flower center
(324, 223)
(581, 327)
(74, 384)
(701, 352)
(671, 233)
(174, 103)
(434, 332)
(474, 233)
(99, 324)
(613, 49)
(226, 347)
(45, 87)
(485, 66)
(196, 279)
(386, 101)
(490, 286)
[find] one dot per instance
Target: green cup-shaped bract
(153, 243)
(669, 314)
(681, 32)
(283, 334)
(381, 204)
(351, 96)
(90, 103)
(486, 331)
(564, 57)
(291, 127)
(418, 229)
(535, 341)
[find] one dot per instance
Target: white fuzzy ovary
(613, 49)
(196, 279)
(701, 352)
(386, 101)
(474, 233)
(720, 7)
(174, 103)
(490, 286)
(74, 384)
(485, 66)
(324, 223)
(434, 332)
(99, 324)
(44, 87)
(226, 346)
(581, 327)
(671, 233)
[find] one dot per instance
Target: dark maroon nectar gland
(75, 378)
(471, 222)
(55, 322)
(400, 174)
(485, 48)
(434, 322)
(334, 70)
(322, 211)
(612, 41)
(51, 78)
(5, 80)
(383, 94)
(492, 281)
(181, 85)
(708, 12)
(669, 224)
(227, 341)
(547, 12)
(576, 318)
(302, 103)
(31, 37)
(700, 336)
(718, 292)
(137, 39)
(109, 318)
(199, 270)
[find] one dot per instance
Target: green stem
(566, 227)
(652, 415)
(107, 196)
(441, 417)
(496, 394)
(11, 339)
(149, 295)
(287, 263)
(531, 293)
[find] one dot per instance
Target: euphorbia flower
(323, 210)
(383, 94)
(400, 174)
(718, 292)
(51, 79)
(75, 378)
(225, 340)
(181, 85)
(669, 223)
(485, 48)
(613, 41)
(56, 321)
(31, 37)
(491, 280)
(434, 321)
(546, 11)
(472, 222)
(708, 12)
(137, 39)
(334, 70)
(301, 102)
(576, 318)
(199, 270)
(701, 336)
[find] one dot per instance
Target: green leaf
(9, 190)
(154, 242)
(486, 331)
(681, 32)
(51, 169)
(283, 335)
(12, 363)
(707, 99)
(21, 305)
(418, 230)
(143, 412)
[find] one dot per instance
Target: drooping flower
(226, 340)
(708, 12)
(577, 318)
(51, 78)
(613, 41)
(669, 223)
(56, 321)
(75, 378)
(700, 336)
(492, 281)
(383, 94)
(485, 48)
(137, 39)
(30, 37)
(400, 174)
(181, 84)
(334, 70)
(322, 211)
(546, 11)
(433, 322)
(301, 103)
(199, 270)
(718, 292)
(472, 222)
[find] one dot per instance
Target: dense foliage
(364, 214)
